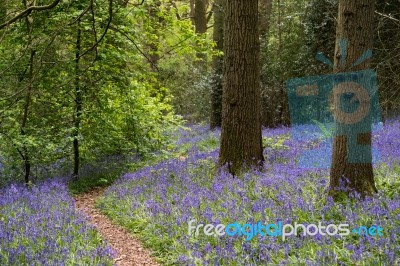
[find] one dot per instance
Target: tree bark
(217, 64)
(355, 24)
(200, 16)
(78, 103)
(241, 142)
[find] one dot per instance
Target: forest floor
(143, 218)
(130, 250)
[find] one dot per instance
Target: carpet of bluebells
(40, 226)
(158, 201)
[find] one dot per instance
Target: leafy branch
(29, 10)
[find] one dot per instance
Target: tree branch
(27, 11)
(138, 4)
(110, 12)
(176, 9)
(388, 16)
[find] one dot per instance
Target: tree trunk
(25, 152)
(200, 16)
(241, 142)
(192, 12)
(78, 103)
(26, 156)
(355, 24)
(217, 64)
(154, 44)
(265, 10)
(283, 107)
(200, 23)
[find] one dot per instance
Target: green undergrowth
(162, 234)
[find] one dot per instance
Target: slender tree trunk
(355, 24)
(241, 142)
(217, 64)
(192, 12)
(200, 16)
(154, 44)
(200, 23)
(265, 11)
(26, 157)
(283, 108)
(78, 104)
(25, 152)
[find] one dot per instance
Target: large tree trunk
(241, 142)
(355, 24)
(217, 63)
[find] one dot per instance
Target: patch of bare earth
(129, 249)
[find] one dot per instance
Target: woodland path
(130, 251)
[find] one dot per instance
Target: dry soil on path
(129, 250)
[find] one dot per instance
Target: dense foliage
(92, 73)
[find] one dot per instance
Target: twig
(387, 16)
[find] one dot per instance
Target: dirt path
(130, 250)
